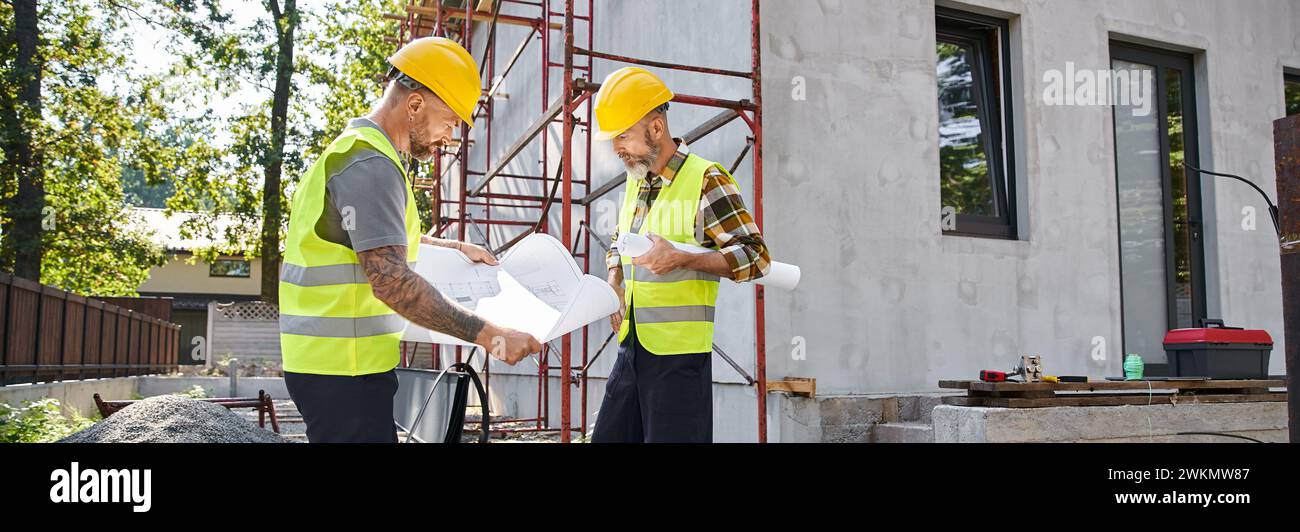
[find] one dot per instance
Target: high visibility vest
(673, 312)
(331, 323)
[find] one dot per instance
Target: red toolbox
(1219, 352)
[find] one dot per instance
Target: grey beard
(642, 167)
(638, 171)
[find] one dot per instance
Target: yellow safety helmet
(625, 97)
(445, 68)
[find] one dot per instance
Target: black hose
(460, 401)
(1219, 434)
(456, 423)
(1272, 209)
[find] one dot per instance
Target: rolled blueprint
(781, 275)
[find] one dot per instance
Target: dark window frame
(227, 276)
(990, 38)
(1288, 78)
(1185, 64)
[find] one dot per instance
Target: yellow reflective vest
(673, 312)
(331, 323)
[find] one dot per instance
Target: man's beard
(640, 168)
(422, 149)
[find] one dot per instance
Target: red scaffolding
(457, 19)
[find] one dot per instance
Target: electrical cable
(1272, 208)
(460, 401)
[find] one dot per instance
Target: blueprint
(537, 288)
(780, 275)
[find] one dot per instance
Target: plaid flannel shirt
(727, 225)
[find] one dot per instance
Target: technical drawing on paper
(468, 293)
(538, 288)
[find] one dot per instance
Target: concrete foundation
(73, 396)
(1137, 424)
(856, 418)
(79, 396)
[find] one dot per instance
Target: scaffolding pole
(424, 18)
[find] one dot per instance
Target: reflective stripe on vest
(331, 323)
(673, 312)
(341, 327)
(324, 275)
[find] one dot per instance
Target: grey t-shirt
(365, 204)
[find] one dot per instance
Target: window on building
(230, 268)
(976, 179)
(1292, 94)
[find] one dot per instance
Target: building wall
(888, 303)
(179, 277)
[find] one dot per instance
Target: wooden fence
(47, 335)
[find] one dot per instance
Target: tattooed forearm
(410, 295)
(440, 242)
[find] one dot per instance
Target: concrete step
(918, 407)
(848, 410)
(902, 432)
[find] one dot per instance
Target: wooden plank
(1110, 400)
(50, 344)
(158, 307)
(98, 335)
(22, 329)
(5, 280)
(74, 335)
(459, 14)
(1113, 385)
(796, 385)
(1012, 393)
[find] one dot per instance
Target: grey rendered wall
(887, 304)
(890, 305)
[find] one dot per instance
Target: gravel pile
(174, 419)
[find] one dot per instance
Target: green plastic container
(1133, 367)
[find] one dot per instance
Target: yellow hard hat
(445, 68)
(625, 97)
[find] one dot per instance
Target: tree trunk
(22, 231)
(286, 21)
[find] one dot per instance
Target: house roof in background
(166, 230)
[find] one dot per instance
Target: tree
(68, 139)
(223, 131)
(24, 158)
(310, 96)
(286, 21)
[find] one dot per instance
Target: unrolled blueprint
(537, 288)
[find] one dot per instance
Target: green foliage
(1292, 97)
(92, 125)
(39, 421)
(338, 54)
(190, 135)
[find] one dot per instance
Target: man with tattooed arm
(347, 283)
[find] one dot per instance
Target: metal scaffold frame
(424, 18)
